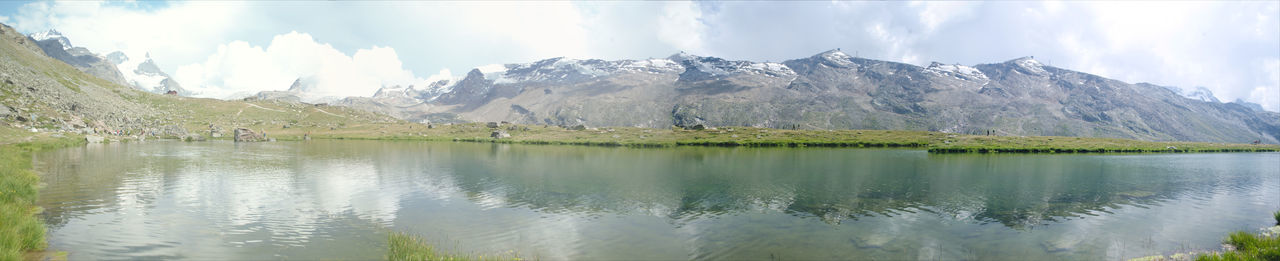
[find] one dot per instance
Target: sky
(353, 48)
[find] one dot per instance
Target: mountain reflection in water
(331, 199)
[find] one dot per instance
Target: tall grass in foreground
(402, 246)
(20, 230)
(1250, 246)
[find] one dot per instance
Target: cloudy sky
(352, 48)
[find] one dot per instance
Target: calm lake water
(339, 199)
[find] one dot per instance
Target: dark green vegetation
(401, 246)
(1248, 246)
(22, 231)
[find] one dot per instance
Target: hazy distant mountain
(55, 45)
(831, 90)
(301, 90)
(115, 67)
(145, 74)
(1198, 93)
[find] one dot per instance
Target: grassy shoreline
(19, 187)
(934, 142)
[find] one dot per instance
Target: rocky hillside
(39, 93)
(832, 90)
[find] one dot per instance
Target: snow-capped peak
(1199, 93)
(145, 74)
(1203, 94)
(52, 34)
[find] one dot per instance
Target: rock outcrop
(499, 134)
(247, 135)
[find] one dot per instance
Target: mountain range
(115, 67)
(829, 90)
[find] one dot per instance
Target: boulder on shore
(247, 135)
(498, 134)
(94, 138)
(491, 125)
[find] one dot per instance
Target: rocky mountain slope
(40, 93)
(831, 90)
(115, 67)
(55, 45)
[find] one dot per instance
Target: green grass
(401, 246)
(1248, 246)
(1277, 216)
(1051, 144)
(935, 142)
(20, 230)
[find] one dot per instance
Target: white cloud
(4, 19)
(680, 26)
(1268, 93)
(240, 68)
(183, 31)
(444, 74)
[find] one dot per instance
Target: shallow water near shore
(338, 199)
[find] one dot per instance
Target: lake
(340, 199)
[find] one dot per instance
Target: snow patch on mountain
(1031, 65)
(718, 67)
(571, 69)
(1199, 93)
(408, 95)
(52, 34)
(652, 65)
(955, 70)
(493, 72)
(837, 57)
